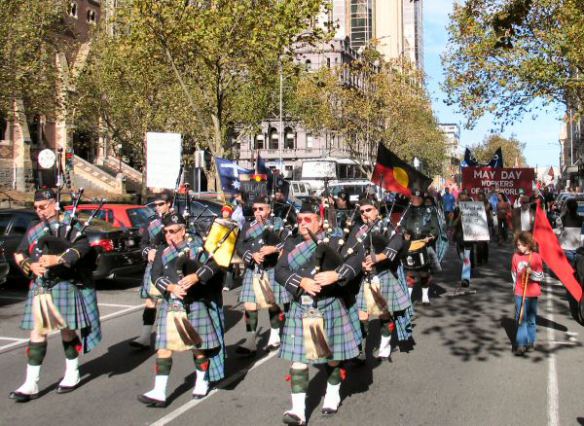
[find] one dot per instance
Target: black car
(117, 251)
(202, 212)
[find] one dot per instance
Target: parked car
(204, 211)
(120, 215)
(118, 252)
(4, 266)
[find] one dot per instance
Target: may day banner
(507, 181)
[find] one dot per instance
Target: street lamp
(119, 146)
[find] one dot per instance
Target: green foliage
(504, 54)
(31, 32)
(387, 105)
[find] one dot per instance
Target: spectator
(502, 219)
(523, 216)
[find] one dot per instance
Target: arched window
(289, 139)
(259, 142)
(73, 9)
(274, 139)
(91, 16)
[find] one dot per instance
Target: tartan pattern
(354, 317)
(361, 231)
(339, 328)
(302, 253)
(208, 320)
(397, 296)
(254, 231)
(154, 228)
(147, 284)
(248, 295)
(403, 325)
(78, 307)
(34, 234)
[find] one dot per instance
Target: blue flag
(469, 159)
(262, 169)
(229, 173)
(497, 161)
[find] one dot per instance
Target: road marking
(553, 391)
(15, 342)
(122, 312)
(114, 305)
(3, 296)
(224, 383)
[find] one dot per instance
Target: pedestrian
(448, 204)
(152, 239)
(463, 248)
(527, 273)
(317, 306)
(503, 209)
(61, 297)
(191, 313)
(239, 211)
(523, 216)
(482, 247)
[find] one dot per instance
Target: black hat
(165, 195)
(261, 199)
(417, 193)
(310, 205)
(343, 196)
(173, 219)
(44, 194)
(367, 201)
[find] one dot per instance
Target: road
(461, 371)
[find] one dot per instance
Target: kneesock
(251, 320)
(276, 318)
(36, 352)
(299, 380)
(149, 316)
(386, 327)
(163, 366)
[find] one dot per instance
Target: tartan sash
(302, 253)
(35, 234)
(171, 253)
(155, 228)
(256, 229)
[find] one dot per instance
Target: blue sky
(540, 134)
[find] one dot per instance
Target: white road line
(114, 305)
(226, 382)
(3, 296)
(11, 338)
(553, 391)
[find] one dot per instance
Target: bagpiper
(383, 292)
(318, 327)
(54, 253)
(190, 315)
(259, 246)
(421, 228)
(152, 239)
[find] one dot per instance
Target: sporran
(263, 290)
(181, 335)
(47, 317)
(376, 304)
(316, 344)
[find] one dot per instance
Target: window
(309, 141)
(20, 224)
(274, 139)
(4, 221)
(259, 142)
(73, 9)
(3, 127)
(91, 16)
(139, 217)
(290, 140)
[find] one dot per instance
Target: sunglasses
(172, 231)
(306, 219)
(41, 207)
(260, 209)
(366, 210)
(159, 203)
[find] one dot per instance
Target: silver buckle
(306, 299)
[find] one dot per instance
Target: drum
(221, 241)
(417, 257)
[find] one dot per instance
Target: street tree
(511, 147)
(503, 55)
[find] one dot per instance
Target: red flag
(551, 172)
(552, 254)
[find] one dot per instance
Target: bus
(314, 172)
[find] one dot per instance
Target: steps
(111, 165)
(88, 175)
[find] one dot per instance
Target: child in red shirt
(526, 265)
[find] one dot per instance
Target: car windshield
(139, 216)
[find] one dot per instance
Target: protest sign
(508, 181)
(163, 158)
(474, 221)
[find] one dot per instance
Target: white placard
(474, 221)
(163, 156)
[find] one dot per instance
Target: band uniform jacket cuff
(25, 266)
(346, 273)
(247, 256)
(145, 252)
(205, 273)
(69, 257)
(292, 285)
(390, 253)
(536, 276)
(162, 284)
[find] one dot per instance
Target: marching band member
(383, 292)
(61, 296)
(421, 224)
(258, 247)
(152, 239)
(318, 327)
(191, 315)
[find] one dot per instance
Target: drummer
(420, 224)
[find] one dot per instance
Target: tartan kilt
(78, 307)
(146, 282)
(394, 291)
(403, 325)
(340, 329)
(248, 295)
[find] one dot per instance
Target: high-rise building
(361, 22)
(413, 32)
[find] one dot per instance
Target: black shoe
(245, 352)
(66, 389)
(151, 402)
(22, 397)
(273, 347)
(139, 346)
(520, 350)
(465, 283)
(530, 348)
(292, 419)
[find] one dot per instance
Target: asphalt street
(460, 372)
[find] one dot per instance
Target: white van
(299, 189)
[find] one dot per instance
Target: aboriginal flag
(395, 175)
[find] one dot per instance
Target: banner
(506, 180)
(474, 221)
(163, 158)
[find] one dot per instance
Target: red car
(119, 215)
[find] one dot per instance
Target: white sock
(385, 347)
(201, 383)
(31, 383)
(410, 290)
(274, 336)
(71, 377)
(332, 398)
(159, 391)
(145, 336)
(298, 406)
(425, 297)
